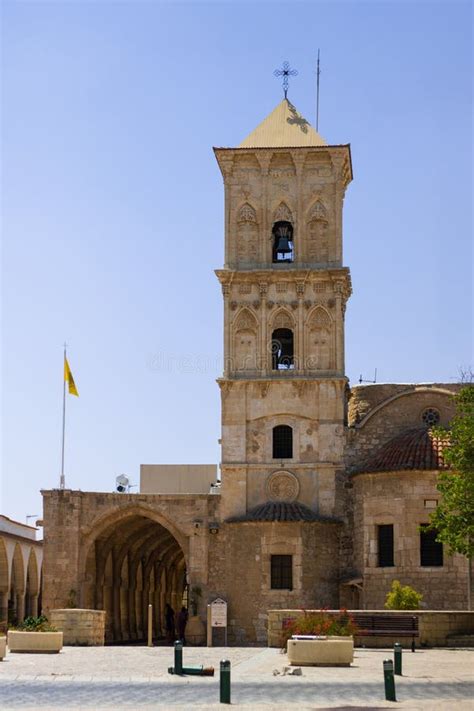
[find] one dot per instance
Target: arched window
(282, 442)
(282, 242)
(282, 349)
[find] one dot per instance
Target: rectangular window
(282, 442)
(385, 545)
(282, 572)
(431, 551)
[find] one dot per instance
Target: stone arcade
(323, 488)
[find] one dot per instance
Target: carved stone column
(33, 605)
(20, 606)
(264, 159)
(226, 167)
(227, 348)
(3, 606)
(338, 289)
(300, 244)
(300, 354)
(116, 583)
(263, 290)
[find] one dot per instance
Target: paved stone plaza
(137, 677)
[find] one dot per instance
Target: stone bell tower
(285, 292)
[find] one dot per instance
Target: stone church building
(324, 488)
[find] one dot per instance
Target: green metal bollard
(178, 657)
(397, 656)
(225, 682)
(389, 680)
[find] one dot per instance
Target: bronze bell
(283, 246)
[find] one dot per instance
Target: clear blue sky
(113, 210)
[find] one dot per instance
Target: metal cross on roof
(285, 72)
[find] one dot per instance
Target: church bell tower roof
(285, 127)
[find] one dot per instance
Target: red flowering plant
(321, 624)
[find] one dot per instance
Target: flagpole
(62, 479)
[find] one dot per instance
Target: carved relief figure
(319, 350)
(245, 341)
(318, 246)
(247, 233)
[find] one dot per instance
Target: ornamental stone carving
(282, 486)
(247, 214)
(283, 214)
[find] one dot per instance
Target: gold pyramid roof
(283, 128)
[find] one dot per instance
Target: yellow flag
(69, 379)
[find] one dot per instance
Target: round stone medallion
(282, 486)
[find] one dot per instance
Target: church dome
(412, 449)
(282, 511)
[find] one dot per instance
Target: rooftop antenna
(318, 72)
(361, 380)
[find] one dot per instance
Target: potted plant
(195, 630)
(320, 639)
(35, 634)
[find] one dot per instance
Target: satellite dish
(122, 483)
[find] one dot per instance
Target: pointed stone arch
(245, 341)
(317, 231)
(247, 234)
(282, 337)
(283, 319)
(320, 340)
(282, 213)
(317, 211)
(246, 213)
(245, 320)
(319, 316)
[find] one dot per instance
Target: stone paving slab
(137, 677)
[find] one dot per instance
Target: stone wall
(80, 627)
(239, 571)
(74, 520)
(435, 628)
(403, 499)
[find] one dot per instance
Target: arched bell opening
(130, 565)
(283, 349)
(282, 233)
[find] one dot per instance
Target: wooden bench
(403, 625)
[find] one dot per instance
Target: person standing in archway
(169, 623)
(182, 620)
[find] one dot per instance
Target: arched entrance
(131, 563)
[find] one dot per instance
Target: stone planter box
(3, 647)
(321, 651)
(80, 628)
(35, 642)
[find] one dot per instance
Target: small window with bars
(282, 572)
(431, 550)
(385, 545)
(282, 442)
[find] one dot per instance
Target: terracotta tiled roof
(281, 511)
(413, 449)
